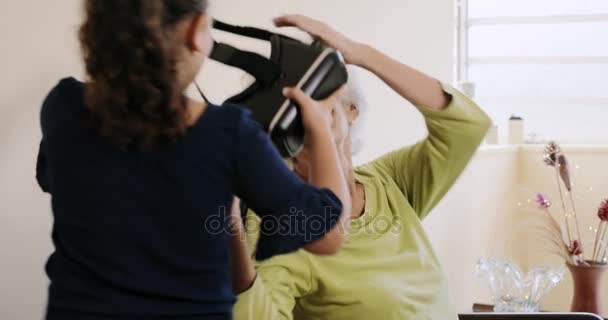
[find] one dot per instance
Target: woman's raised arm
(413, 85)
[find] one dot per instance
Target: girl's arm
(241, 263)
(294, 214)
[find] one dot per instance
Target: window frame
(463, 60)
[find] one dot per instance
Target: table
(480, 307)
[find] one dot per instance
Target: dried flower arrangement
(571, 248)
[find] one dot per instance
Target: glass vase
(513, 290)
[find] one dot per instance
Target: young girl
(137, 172)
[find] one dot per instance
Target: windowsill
(508, 148)
(588, 148)
(498, 148)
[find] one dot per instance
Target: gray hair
(356, 96)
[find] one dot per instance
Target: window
(544, 60)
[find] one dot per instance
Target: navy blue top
(143, 235)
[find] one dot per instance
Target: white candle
(516, 130)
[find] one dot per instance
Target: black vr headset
(317, 70)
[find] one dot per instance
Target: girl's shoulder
(67, 89)
(63, 102)
(226, 116)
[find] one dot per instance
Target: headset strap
(250, 32)
(262, 69)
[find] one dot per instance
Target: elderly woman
(387, 268)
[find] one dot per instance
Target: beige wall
(490, 211)
(475, 220)
(39, 47)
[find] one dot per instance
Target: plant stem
(601, 242)
(597, 237)
(578, 230)
(561, 196)
(596, 244)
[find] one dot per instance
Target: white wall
(417, 32)
(39, 47)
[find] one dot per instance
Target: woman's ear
(352, 114)
(197, 34)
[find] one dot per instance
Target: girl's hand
(317, 116)
(325, 33)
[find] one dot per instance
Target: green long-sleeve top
(387, 269)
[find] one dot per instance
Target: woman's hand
(325, 33)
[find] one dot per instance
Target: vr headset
(316, 70)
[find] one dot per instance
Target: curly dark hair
(130, 61)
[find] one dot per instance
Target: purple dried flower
(602, 211)
(542, 201)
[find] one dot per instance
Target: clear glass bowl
(514, 291)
